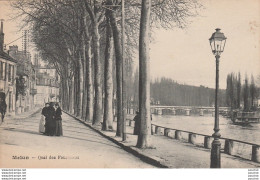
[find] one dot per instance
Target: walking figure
(2, 106)
(43, 125)
(51, 120)
(58, 119)
(137, 120)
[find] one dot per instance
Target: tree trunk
(84, 96)
(71, 91)
(67, 99)
(108, 76)
(64, 96)
(89, 83)
(98, 113)
(136, 90)
(80, 86)
(144, 77)
(88, 80)
(76, 90)
(238, 91)
(118, 54)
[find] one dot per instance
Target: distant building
(47, 84)
(8, 67)
(26, 72)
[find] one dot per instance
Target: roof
(7, 57)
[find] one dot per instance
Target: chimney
(2, 36)
(13, 50)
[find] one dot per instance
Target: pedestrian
(43, 124)
(137, 120)
(58, 119)
(51, 120)
(2, 106)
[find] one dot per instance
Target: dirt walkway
(80, 147)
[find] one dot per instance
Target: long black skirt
(58, 131)
(52, 128)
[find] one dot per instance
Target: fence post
(255, 153)
(157, 130)
(229, 147)
(192, 138)
(130, 122)
(166, 132)
(177, 134)
(207, 142)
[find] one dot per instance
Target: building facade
(26, 76)
(8, 67)
(47, 84)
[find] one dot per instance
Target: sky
(11, 27)
(184, 54)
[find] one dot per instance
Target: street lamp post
(217, 44)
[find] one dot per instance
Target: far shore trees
(238, 94)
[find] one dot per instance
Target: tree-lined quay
(84, 41)
(89, 48)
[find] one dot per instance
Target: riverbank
(172, 153)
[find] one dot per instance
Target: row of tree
(82, 40)
(169, 92)
(238, 94)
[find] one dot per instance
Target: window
(4, 71)
(9, 73)
(11, 68)
(1, 70)
(12, 73)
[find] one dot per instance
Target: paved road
(80, 147)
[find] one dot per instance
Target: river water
(205, 124)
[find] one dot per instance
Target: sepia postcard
(130, 84)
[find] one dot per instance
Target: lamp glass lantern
(217, 42)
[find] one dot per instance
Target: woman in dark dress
(137, 120)
(51, 119)
(58, 119)
(44, 124)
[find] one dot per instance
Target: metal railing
(247, 115)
